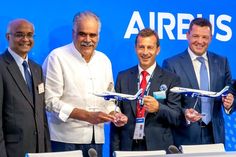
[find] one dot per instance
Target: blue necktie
(204, 85)
(28, 77)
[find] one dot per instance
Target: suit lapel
(213, 71)
(36, 76)
(189, 70)
(156, 80)
(133, 86)
(17, 76)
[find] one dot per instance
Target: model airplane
(119, 96)
(200, 93)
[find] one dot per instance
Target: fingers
(100, 117)
(228, 101)
(105, 117)
(150, 104)
(120, 120)
(192, 115)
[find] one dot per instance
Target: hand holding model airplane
(200, 93)
(107, 95)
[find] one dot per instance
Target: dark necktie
(28, 77)
(204, 85)
(143, 84)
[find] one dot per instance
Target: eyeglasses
(23, 35)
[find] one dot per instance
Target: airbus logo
(176, 26)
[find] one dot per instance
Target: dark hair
(200, 22)
(147, 32)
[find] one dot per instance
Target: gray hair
(78, 17)
(13, 22)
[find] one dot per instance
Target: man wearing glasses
(23, 123)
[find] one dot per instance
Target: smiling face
(20, 37)
(147, 50)
(86, 36)
(199, 38)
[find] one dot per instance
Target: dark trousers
(59, 146)
(139, 145)
(206, 133)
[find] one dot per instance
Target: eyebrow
(81, 32)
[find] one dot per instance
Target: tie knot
(25, 65)
(201, 59)
(144, 73)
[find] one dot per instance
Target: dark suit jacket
(23, 123)
(220, 76)
(157, 125)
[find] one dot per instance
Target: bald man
(23, 123)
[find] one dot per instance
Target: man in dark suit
(23, 123)
(149, 122)
(202, 125)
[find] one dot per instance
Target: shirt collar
(149, 70)
(193, 56)
(19, 60)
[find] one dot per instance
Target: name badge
(139, 128)
(41, 88)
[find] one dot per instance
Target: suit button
(35, 132)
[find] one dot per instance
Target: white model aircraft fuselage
(199, 93)
(107, 95)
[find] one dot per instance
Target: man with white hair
(73, 72)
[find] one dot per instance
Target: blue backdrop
(121, 21)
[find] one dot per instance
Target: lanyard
(145, 93)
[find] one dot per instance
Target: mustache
(87, 43)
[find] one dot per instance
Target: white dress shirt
(197, 65)
(149, 70)
(70, 83)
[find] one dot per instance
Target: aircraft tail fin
(223, 92)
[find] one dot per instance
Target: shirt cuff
(65, 112)
(228, 111)
(187, 122)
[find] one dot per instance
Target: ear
(135, 48)
(73, 33)
(7, 36)
(187, 35)
(210, 39)
(158, 50)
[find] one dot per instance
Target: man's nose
(87, 38)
